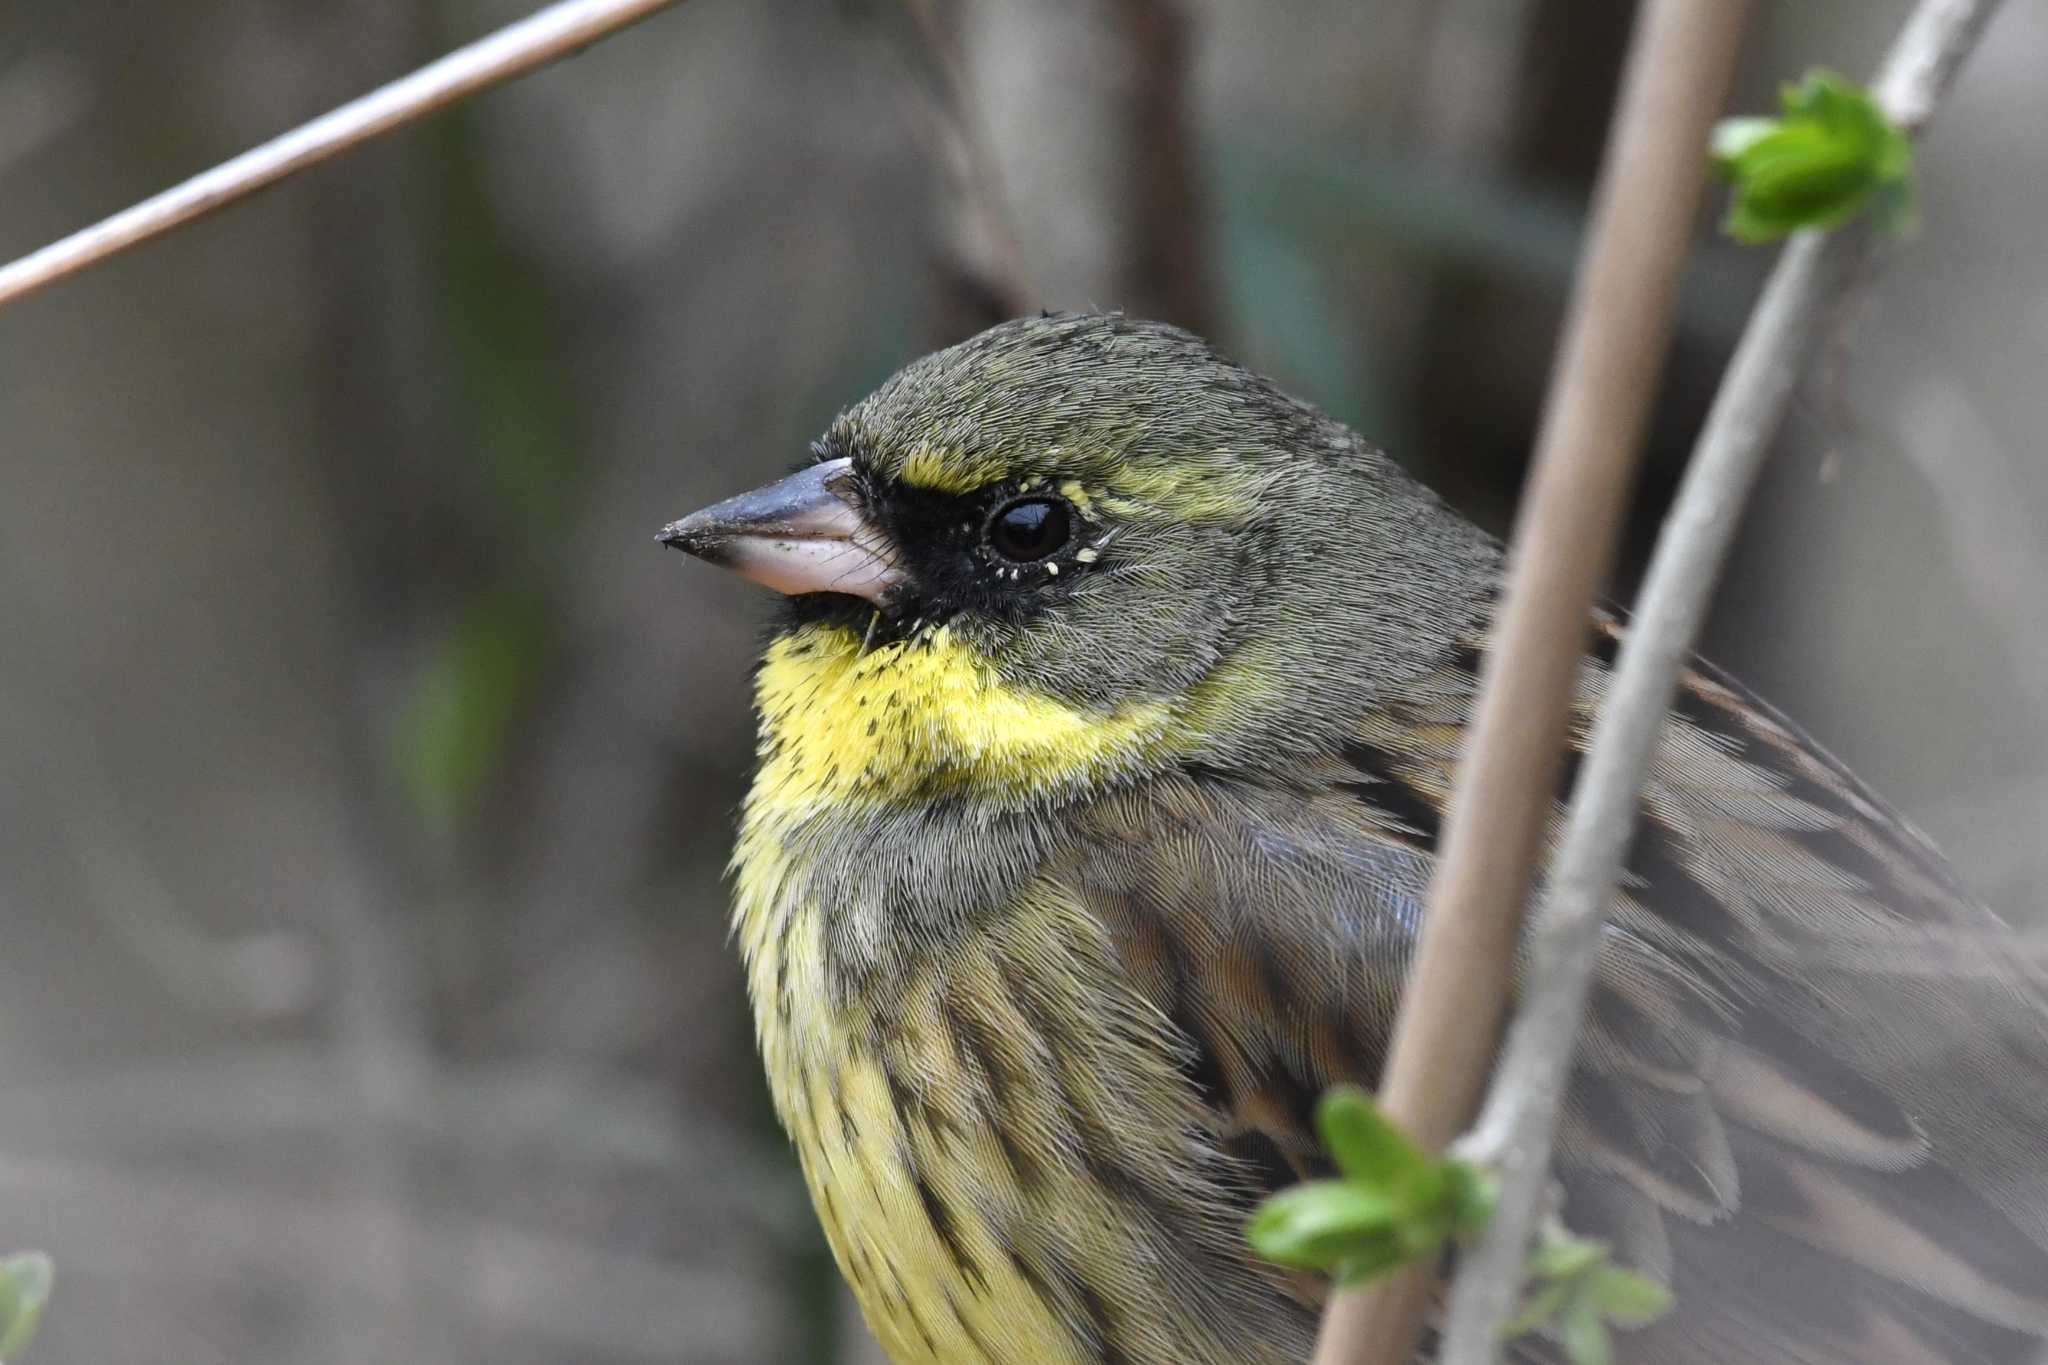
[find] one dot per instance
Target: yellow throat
(923, 717)
(843, 724)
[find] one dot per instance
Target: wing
(1812, 1093)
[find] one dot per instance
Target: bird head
(1074, 543)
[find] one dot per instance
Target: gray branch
(560, 30)
(1515, 1128)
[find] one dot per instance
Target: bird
(1106, 737)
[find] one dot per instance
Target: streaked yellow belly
(1008, 1161)
(865, 1161)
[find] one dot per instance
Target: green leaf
(1583, 1334)
(1317, 1225)
(25, 1280)
(1364, 1144)
(1626, 1298)
(1734, 136)
(1539, 1309)
(1578, 1292)
(1470, 1191)
(1392, 1204)
(1562, 1257)
(1832, 155)
(1371, 1262)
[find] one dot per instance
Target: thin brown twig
(558, 31)
(1615, 338)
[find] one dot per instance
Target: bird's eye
(1029, 529)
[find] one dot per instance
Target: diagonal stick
(558, 31)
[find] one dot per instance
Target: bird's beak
(804, 534)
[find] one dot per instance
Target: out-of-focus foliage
(492, 316)
(466, 704)
(1831, 155)
(1576, 1293)
(25, 1281)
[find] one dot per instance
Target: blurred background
(367, 771)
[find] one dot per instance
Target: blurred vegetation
(25, 1282)
(512, 503)
(1832, 155)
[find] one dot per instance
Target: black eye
(1029, 529)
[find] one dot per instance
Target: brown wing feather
(1813, 1087)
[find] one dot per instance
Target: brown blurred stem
(986, 264)
(1615, 337)
(1170, 266)
(560, 30)
(1806, 288)
(1063, 135)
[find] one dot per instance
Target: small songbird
(1104, 749)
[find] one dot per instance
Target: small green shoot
(1829, 157)
(1392, 1203)
(1577, 1293)
(25, 1280)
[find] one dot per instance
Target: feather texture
(1749, 1106)
(1067, 886)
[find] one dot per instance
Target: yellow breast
(844, 724)
(1003, 1153)
(879, 1175)
(955, 1128)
